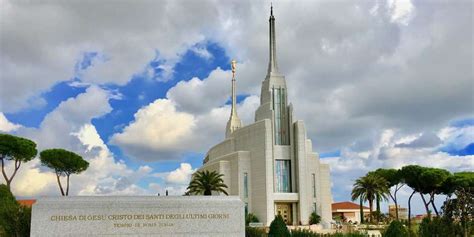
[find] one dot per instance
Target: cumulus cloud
(197, 96)
(157, 128)
(386, 152)
(175, 181)
(345, 80)
(425, 140)
(69, 127)
(386, 74)
(193, 110)
(181, 175)
(62, 32)
(7, 126)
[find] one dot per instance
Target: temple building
(270, 163)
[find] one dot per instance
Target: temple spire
(234, 122)
(272, 63)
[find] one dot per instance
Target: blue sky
(144, 95)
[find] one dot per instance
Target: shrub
(314, 218)
(250, 218)
(396, 229)
(303, 233)
(441, 227)
(353, 234)
(278, 228)
(14, 219)
(255, 232)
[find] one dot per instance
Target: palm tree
(370, 188)
(204, 182)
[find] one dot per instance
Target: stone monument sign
(135, 216)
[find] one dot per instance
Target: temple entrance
(284, 210)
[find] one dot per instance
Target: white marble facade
(270, 164)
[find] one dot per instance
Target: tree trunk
(4, 173)
(378, 208)
(371, 205)
(59, 183)
(361, 211)
(427, 205)
(207, 192)
(67, 188)
(395, 199)
(433, 205)
(409, 209)
(396, 208)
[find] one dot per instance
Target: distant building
(270, 163)
(348, 211)
(402, 212)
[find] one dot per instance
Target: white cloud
(69, 127)
(386, 152)
(175, 181)
(404, 66)
(181, 175)
(198, 96)
(402, 10)
(7, 126)
(157, 128)
(126, 36)
(193, 110)
(201, 51)
(344, 79)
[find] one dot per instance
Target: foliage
(204, 182)
(255, 232)
(278, 228)
(17, 149)
(353, 234)
(432, 180)
(64, 163)
(314, 218)
(396, 229)
(440, 227)
(260, 232)
(394, 179)
(250, 218)
(14, 218)
(369, 188)
(380, 217)
(303, 233)
(461, 208)
(410, 175)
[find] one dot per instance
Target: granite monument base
(138, 216)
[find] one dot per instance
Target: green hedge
(260, 232)
(14, 218)
(396, 229)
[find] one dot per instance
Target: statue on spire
(234, 122)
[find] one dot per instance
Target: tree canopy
(64, 163)
(394, 179)
(369, 188)
(17, 149)
(204, 182)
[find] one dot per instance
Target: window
(279, 107)
(314, 185)
(246, 186)
(283, 177)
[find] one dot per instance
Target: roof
(346, 205)
(27, 202)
